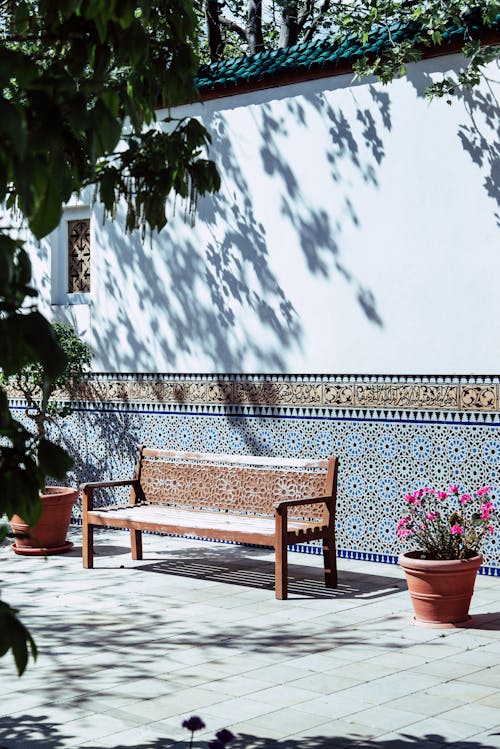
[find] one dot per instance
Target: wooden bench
(246, 499)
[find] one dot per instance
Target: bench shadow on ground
(28, 732)
(246, 567)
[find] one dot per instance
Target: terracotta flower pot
(48, 536)
(440, 590)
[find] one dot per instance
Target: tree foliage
(408, 28)
(80, 85)
(31, 384)
(15, 637)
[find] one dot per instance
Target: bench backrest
(232, 483)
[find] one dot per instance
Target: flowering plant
(447, 524)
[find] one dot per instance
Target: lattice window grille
(79, 256)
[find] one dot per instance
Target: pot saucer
(37, 551)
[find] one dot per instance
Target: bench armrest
(88, 490)
(302, 501)
(104, 484)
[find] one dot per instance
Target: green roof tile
(270, 64)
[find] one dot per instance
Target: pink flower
(486, 510)
(427, 524)
(412, 499)
(401, 530)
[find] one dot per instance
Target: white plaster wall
(355, 232)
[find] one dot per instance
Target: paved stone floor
(130, 649)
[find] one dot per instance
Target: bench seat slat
(215, 535)
(195, 522)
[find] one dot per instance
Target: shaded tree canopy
(80, 83)
(236, 27)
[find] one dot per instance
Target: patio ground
(130, 649)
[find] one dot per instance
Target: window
(79, 256)
(71, 247)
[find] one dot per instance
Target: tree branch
(289, 31)
(233, 26)
(324, 8)
(254, 26)
(215, 43)
(307, 11)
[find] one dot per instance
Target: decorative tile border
(444, 393)
(383, 453)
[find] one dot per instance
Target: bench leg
(330, 561)
(281, 573)
(88, 546)
(281, 564)
(136, 544)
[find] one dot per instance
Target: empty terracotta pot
(48, 536)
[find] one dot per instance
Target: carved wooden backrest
(243, 484)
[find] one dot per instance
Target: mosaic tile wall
(391, 435)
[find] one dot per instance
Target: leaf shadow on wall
(479, 133)
(224, 302)
(184, 322)
(479, 138)
(320, 235)
(103, 447)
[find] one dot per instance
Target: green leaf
(23, 266)
(28, 338)
(108, 182)
(106, 129)
(112, 101)
(16, 65)
(13, 125)
(100, 13)
(14, 636)
(21, 15)
(48, 211)
(53, 460)
(20, 483)
(126, 12)
(5, 417)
